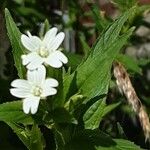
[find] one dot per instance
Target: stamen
(37, 91)
(43, 52)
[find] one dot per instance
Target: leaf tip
(6, 11)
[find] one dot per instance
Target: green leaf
(124, 5)
(73, 60)
(129, 63)
(85, 46)
(101, 22)
(12, 112)
(143, 61)
(61, 115)
(22, 133)
(93, 75)
(122, 144)
(19, 1)
(74, 102)
(96, 140)
(96, 112)
(32, 139)
(59, 139)
(26, 11)
(36, 139)
(58, 99)
(15, 39)
(109, 108)
(44, 28)
(112, 32)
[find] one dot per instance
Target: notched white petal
(50, 35)
(57, 41)
(35, 104)
(41, 74)
(61, 57)
(29, 58)
(31, 43)
(37, 76)
(50, 82)
(20, 83)
(54, 61)
(48, 92)
(30, 105)
(20, 92)
(26, 106)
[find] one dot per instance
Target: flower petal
(49, 36)
(37, 76)
(48, 87)
(26, 105)
(20, 83)
(34, 64)
(56, 41)
(53, 61)
(32, 43)
(51, 82)
(35, 105)
(47, 91)
(56, 59)
(29, 58)
(61, 56)
(20, 92)
(31, 104)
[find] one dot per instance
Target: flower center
(37, 91)
(43, 52)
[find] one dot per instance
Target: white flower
(33, 89)
(43, 51)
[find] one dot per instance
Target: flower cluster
(41, 53)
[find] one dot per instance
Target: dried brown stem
(125, 86)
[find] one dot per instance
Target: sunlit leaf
(15, 39)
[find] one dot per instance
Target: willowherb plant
(69, 103)
(41, 52)
(33, 89)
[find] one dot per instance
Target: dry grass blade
(125, 86)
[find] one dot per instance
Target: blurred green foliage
(88, 22)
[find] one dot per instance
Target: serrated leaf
(12, 112)
(21, 132)
(96, 112)
(95, 82)
(112, 32)
(36, 139)
(32, 139)
(122, 144)
(15, 38)
(93, 75)
(96, 140)
(101, 22)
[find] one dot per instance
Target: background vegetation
(84, 23)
